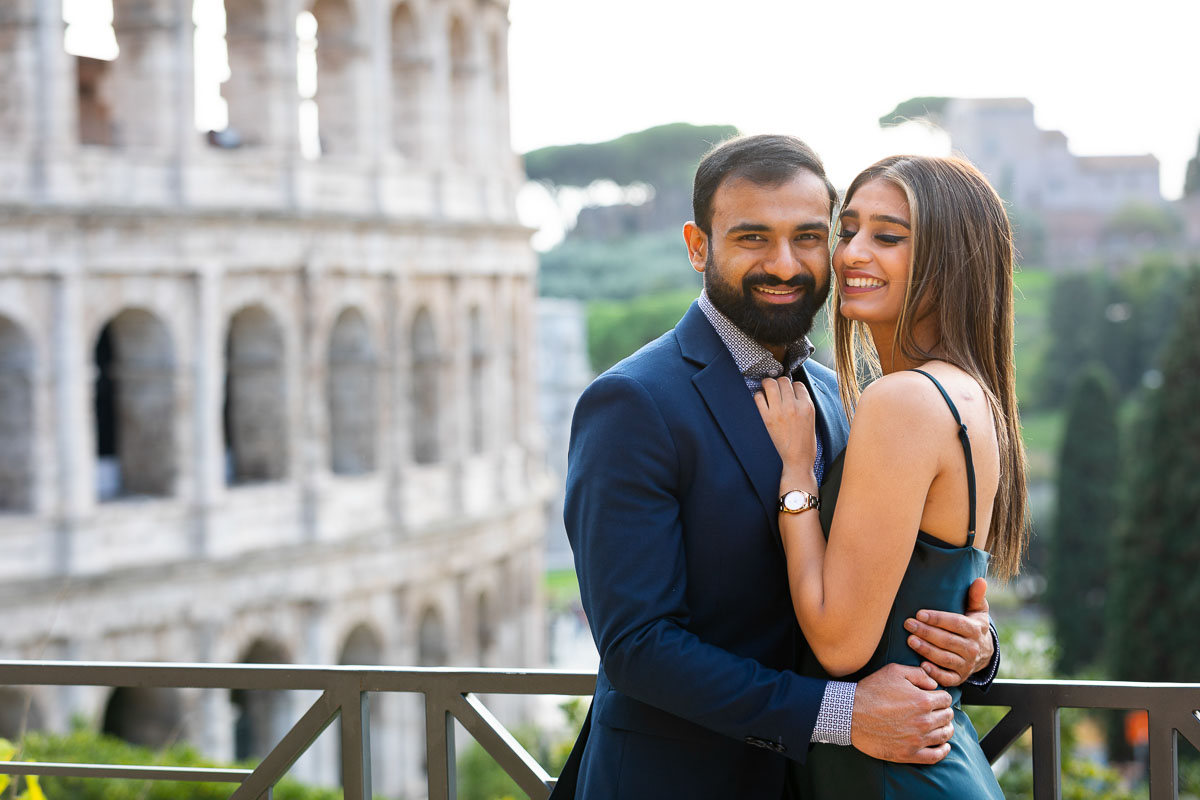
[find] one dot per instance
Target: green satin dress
(937, 578)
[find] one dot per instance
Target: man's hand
(901, 715)
(955, 646)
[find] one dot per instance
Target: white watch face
(793, 501)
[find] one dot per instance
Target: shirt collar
(752, 359)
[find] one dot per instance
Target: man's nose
(782, 262)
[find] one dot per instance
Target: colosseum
(265, 398)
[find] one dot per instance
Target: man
(672, 511)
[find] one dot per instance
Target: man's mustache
(800, 281)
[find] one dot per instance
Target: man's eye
(752, 237)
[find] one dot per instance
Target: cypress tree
(1156, 558)
(1086, 517)
(1073, 320)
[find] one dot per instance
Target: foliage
(929, 108)
(33, 789)
(617, 329)
(481, 778)
(617, 269)
(88, 747)
(1087, 483)
(1157, 223)
(1155, 590)
(1120, 321)
(664, 156)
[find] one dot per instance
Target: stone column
(208, 378)
(283, 94)
(435, 88)
(75, 443)
(154, 65)
(55, 122)
(20, 74)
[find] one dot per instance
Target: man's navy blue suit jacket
(672, 511)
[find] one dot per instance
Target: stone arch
(461, 77)
(146, 716)
(93, 101)
(255, 411)
(337, 54)
(477, 379)
(408, 67)
(362, 646)
(426, 440)
(134, 406)
(16, 417)
(261, 715)
(19, 712)
(248, 41)
(432, 649)
(352, 396)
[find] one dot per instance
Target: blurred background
(296, 299)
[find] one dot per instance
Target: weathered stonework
(255, 407)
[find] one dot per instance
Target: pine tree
(1083, 526)
(1156, 558)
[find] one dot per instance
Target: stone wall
(256, 406)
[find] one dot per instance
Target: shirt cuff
(985, 676)
(837, 710)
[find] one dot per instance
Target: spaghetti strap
(966, 445)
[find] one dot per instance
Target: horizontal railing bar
(1085, 694)
(63, 770)
(292, 677)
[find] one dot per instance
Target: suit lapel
(830, 416)
(732, 407)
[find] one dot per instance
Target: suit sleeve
(622, 515)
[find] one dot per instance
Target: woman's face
(873, 256)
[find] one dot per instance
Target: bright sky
(1116, 78)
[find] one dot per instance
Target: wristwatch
(797, 501)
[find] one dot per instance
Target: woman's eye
(844, 233)
(888, 238)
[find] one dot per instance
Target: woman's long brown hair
(962, 276)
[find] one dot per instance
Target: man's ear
(697, 245)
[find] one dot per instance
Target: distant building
(563, 374)
(1064, 204)
(258, 407)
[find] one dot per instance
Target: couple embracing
(785, 603)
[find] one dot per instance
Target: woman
(924, 264)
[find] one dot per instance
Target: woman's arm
(842, 591)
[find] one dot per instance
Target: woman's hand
(788, 413)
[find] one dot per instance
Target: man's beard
(769, 324)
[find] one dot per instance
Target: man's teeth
(774, 291)
(862, 283)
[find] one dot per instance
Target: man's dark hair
(767, 160)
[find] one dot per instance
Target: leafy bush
(617, 329)
(88, 747)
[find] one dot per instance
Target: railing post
(356, 746)
(1164, 757)
(439, 748)
(1047, 762)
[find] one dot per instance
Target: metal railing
(452, 694)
